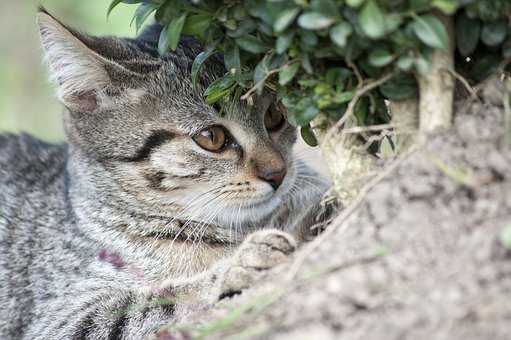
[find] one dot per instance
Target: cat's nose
(274, 177)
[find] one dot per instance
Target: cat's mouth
(253, 209)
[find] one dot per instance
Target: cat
(151, 196)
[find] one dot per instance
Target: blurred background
(27, 100)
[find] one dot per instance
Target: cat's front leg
(258, 253)
(261, 251)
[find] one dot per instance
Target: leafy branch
(339, 45)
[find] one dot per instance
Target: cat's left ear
(80, 71)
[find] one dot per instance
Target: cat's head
(137, 115)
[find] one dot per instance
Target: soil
(427, 254)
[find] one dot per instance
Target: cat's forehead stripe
(156, 139)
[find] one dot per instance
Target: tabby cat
(155, 194)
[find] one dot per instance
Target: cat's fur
(90, 228)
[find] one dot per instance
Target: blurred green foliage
(27, 102)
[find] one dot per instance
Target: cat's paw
(260, 252)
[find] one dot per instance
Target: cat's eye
(274, 118)
(212, 138)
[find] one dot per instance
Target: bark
(436, 88)
(405, 118)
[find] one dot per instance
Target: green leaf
(343, 97)
(169, 37)
(303, 117)
(392, 22)
(232, 58)
(308, 38)
(336, 76)
(400, 87)
(306, 63)
(494, 33)
(431, 31)
(231, 24)
(387, 148)
(251, 44)
(115, 3)
(326, 7)
(166, 13)
(380, 57)
(354, 3)
(215, 96)
(339, 33)
(262, 69)
(219, 89)
(245, 27)
(197, 65)
(405, 63)
(361, 110)
(287, 73)
(142, 13)
(372, 20)
(308, 135)
(283, 42)
(285, 19)
(468, 32)
(422, 65)
(315, 21)
(419, 5)
(307, 82)
(197, 25)
(449, 7)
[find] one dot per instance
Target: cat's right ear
(80, 73)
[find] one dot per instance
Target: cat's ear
(80, 72)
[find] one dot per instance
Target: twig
(354, 67)
(266, 76)
(259, 83)
(351, 106)
(339, 221)
(360, 129)
(376, 138)
(465, 83)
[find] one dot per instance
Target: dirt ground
(427, 255)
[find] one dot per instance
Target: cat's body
(92, 231)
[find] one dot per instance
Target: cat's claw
(260, 252)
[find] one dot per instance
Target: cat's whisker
(202, 228)
(238, 223)
(207, 219)
(304, 156)
(315, 185)
(204, 225)
(312, 180)
(188, 222)
(192, 202)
